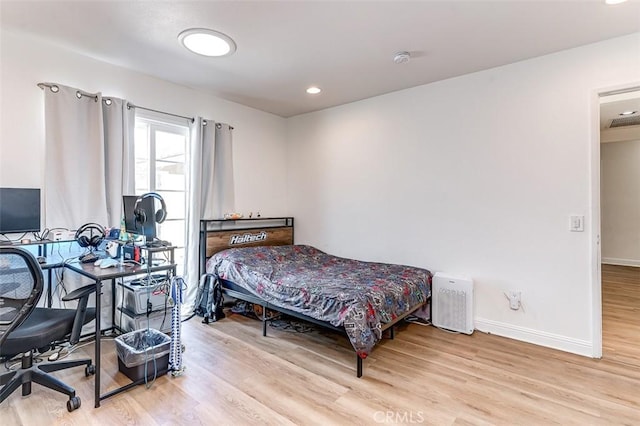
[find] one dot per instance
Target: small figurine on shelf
(250, 215)
(233, 216)
(258, 214)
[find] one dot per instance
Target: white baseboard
(555, 341)
(620, 262)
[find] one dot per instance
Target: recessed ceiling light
(313, 90)
(207, 42)
(628, 112)
(614, 1)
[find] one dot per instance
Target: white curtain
(119, 126)
(211, 190)
(90, 164)
(75, 166)
(218, 195)
(90, 157)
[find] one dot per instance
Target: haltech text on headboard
(247, 238)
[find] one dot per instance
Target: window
(160, 166)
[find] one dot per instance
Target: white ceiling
(344, 47)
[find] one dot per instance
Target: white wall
(475, 175)
(621, 203)
(259, 147)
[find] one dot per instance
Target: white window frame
(169, 124)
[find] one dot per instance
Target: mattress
(359, 296)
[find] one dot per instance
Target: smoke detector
(401, 57)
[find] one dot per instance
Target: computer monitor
(19, 210)
(131, 225)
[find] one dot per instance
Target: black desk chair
(25, 328)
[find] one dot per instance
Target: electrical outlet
(515, 299)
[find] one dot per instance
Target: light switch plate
(577, 224)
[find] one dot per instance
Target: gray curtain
(211, 190)
(75, 164)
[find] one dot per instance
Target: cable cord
(14, 240)
(188, 318)
(59, 273)
(148, 384)
(121, 303)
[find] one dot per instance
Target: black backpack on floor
(209, 300)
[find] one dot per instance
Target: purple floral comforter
(359, 296)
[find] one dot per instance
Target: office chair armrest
(80, 293)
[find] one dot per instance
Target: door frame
(595, 252)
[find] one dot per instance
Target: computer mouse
(108, 263)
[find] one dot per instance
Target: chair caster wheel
(89, 370)
(73, 403)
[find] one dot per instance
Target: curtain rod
(79, 93)
(130, 105)
(54, 88)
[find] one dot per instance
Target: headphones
(96, 235)
(141, 215)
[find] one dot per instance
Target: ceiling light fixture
(313, 90)
(611, 2)
(628, 113)
(207, 42)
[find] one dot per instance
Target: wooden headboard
(217, 235)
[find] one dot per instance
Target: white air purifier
(452, 303)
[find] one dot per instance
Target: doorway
(620, 225)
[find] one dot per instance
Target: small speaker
(453, 303)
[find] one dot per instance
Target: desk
(98, 275)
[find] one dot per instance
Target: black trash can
(143, 353)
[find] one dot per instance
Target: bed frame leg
(264, 321)
(358, 366)
(392, 333)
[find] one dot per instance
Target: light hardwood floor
(234, 376)
(621, 313)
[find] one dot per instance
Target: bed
(257, 261)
